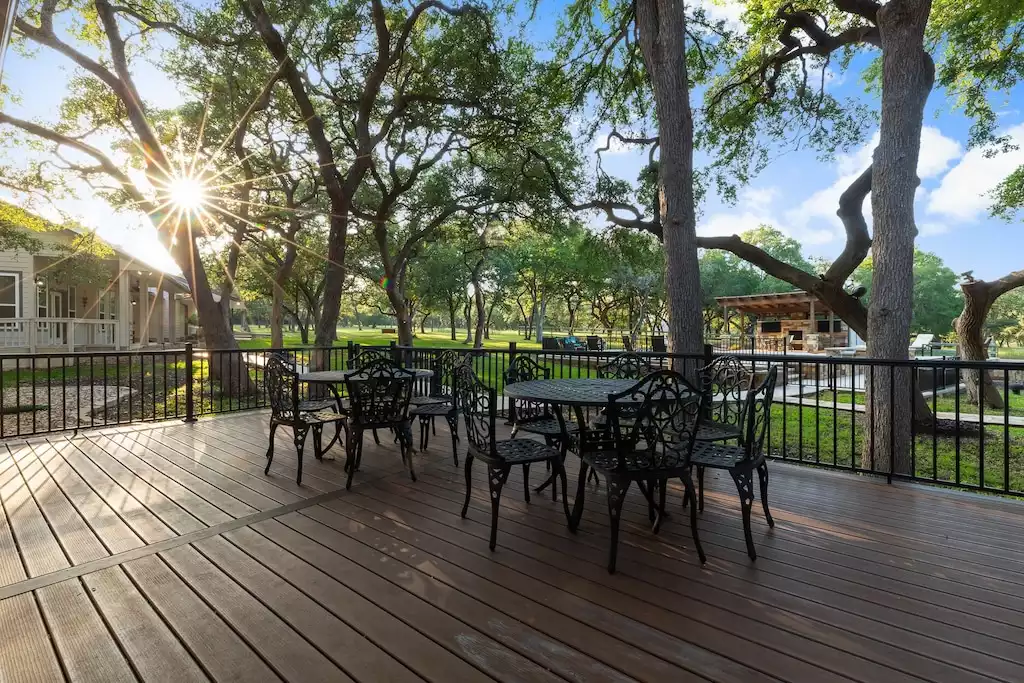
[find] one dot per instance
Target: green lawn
(943, 403)
(825, 436)
(373, 337)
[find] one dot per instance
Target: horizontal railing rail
(821, 413)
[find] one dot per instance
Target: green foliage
(937, 298)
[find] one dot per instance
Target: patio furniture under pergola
(796, 321)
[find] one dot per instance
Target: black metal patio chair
(652, 433)
(443, 401)
(378, 397)
(726, 381)
(658, 344)
(743, 460)
(625, 366)
(310, 405)
(366, 356)
(479, 405)
(595, 343)
(282, 384)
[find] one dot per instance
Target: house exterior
(137, 307)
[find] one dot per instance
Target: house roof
(13, 216)
(776, 304)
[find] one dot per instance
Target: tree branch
(858, 241)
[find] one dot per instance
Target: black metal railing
(820, 416)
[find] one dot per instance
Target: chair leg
(617, 489)
(270, 448)
(423, 433)
(469, 483)
(433, 426)
(593, 475)
(353, 448)
(376, 439)
(405, 438)
(692, 494)
(745, 486)
(700, 487)
(526, 480)
(762, 474)
(318, 433)
(300, 442)
(453, 427)
(496, 477)
(577, 504)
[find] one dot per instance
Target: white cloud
(930, 229)
(937, 153)
(729, 11)
(758, 198)
(724, 224)
(963, 194)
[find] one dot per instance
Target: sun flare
(187, 194)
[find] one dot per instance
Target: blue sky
(797, 193)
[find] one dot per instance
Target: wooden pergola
(778, 304)
(797, 312)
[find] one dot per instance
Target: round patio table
(582, 391)
(333, 377)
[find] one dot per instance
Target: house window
(41, 300)
(9, 304)
(72, 303)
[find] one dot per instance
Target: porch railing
(72, 333)
(821, 415)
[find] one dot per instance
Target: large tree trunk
(478, 300)
(451, 316)
(662, 28)
(541, 313)
(978, 299)
(403, 319)
(907, 77)
(284, 272)
(467, 309)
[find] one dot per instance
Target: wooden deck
(163, 553)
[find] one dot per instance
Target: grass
(942, 403)
(373, 337)
(821, 435)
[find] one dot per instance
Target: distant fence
(819, 416)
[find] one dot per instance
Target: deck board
(859, 581)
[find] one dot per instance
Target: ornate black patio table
(329, 378)
(582, 392)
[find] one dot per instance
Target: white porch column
(124, 308)
(172, 317)
(164, 334)
(142, 311)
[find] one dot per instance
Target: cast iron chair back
(758, 410)
(379, 395)
(625, 366)
(443, 382)
(479, 405)
(524, 369)
(661, 415)
(282, 385)
(365, 357)
(727, 382)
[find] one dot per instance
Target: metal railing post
(511, 404)
(190, 408)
